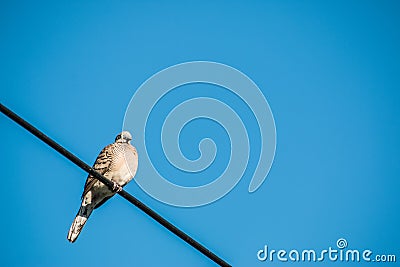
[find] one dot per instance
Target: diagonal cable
(33, 130)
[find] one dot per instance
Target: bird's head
(124, 137)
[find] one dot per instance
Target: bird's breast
(128, 167)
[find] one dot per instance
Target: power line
(33, 130)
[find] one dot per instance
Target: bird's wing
(101, 165)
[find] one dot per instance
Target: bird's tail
(78, 223)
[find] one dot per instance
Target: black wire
(110, 184)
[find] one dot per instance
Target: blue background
(329, 70)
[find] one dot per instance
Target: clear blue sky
(329, 69)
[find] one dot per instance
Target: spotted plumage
(117, 162)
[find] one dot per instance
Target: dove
(118, 162)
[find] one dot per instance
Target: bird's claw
(116, 187)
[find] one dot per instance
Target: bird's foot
(116, 187)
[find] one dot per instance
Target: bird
(117, 162)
